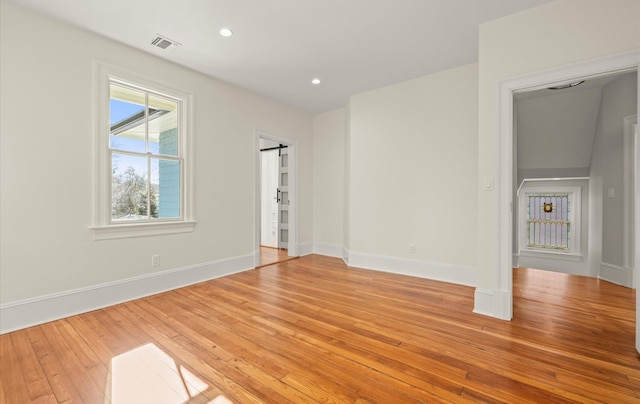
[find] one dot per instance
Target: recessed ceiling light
(315, 81)
(226, 32)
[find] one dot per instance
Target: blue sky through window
(119, 110)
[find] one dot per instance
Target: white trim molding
(39, 310)
(293, 250)
(142, 229)
(628, 150)
(330, 250)
(622, 276)
(551, 255)
(575, 218)
(460, 275)
(345, 255)
(625, 61)
(306, 248)
(493, 303)
(103, 227)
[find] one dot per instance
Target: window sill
(129, 230)
(554, 255)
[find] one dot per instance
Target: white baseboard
(483, 302)
(305, 248)
(423, 269)
(493, 303)
(616, 274)
(345, 255)
(39, 310)
(330, 250)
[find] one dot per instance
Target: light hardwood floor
(270, 255)
(312, 330)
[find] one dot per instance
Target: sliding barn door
(283, 199)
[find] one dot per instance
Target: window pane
(548, 229)
(126, 119)
(128, 187)
(165, 188)
(163, 126)
(532, 234)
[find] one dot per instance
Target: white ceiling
(280, 45)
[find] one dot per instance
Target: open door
(285, 195)
(269, 206)
(283, 198)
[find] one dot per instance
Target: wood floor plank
(89, 391)
(314, 330)
(214, 369)
(34, 376)
(51, 361)
(88, 360)
(14, 386)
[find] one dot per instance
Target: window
(144, 185)
(145, 155)
(548, 224)
(549, 220)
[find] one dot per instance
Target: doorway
(627, 61)
(276, 230)
(568, 140)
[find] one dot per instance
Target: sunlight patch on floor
(148, 375)
(220, 400)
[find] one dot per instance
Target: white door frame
(292, 250)
(636, 274)
(628, 148)
(504, 136)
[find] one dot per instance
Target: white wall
(545, 37)
(47, 132)
(619, 100)
(412, 158)
(329, 131)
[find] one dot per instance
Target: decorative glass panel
(548, 223)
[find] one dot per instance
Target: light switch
(612, 193)
(487, 184)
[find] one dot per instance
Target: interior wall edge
(622, 276)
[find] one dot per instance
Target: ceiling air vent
(163, 42)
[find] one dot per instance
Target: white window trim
(102, 227)
(575, 216)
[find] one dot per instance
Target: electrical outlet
(412, 248)
(155, 260)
